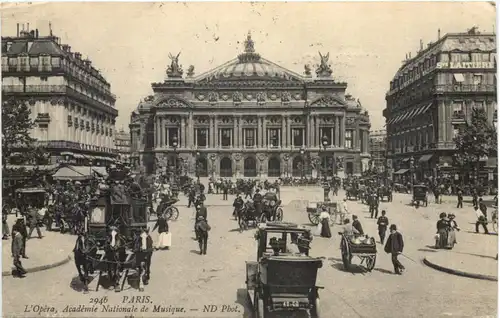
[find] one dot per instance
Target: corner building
(71, 102)
(250, 118)
(430, 98)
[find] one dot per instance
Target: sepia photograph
(249, 159)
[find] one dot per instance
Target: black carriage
(420, 195)
(283, 279)
(385, 192)
(247, 216)
(271, 208)
(37, 197)
(363, 247)
(167, 207)
(352, 193)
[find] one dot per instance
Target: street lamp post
(175, 144)
(324, 142)
(302, 151)
(412, 168)
(197, 165)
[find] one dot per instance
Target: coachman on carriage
(116, 240)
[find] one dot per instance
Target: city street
(185, 282)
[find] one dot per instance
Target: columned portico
(254, 124)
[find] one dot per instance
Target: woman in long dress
(442, 231)
(165, 238)
(325, 224)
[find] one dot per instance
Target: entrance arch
(250, 167)
(274, 167)
(201, 167)
(226, 168)
(327, 163)
(298, 167)
(349, 168)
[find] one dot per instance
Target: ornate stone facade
(250, 118)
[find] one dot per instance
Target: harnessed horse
(114, 254)
(85, 249)
(143, 252)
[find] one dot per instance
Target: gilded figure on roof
(174, 70)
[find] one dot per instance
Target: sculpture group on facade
(324, 69)
(174, 69)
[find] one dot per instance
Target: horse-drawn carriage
(385, 191)
(420, 195)
(363, 247)
(314, 210)
(271, 210)
(283, 279)
(116, 240)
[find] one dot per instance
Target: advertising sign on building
(464, 65)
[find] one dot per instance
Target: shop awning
(73, 173)
(78, 156)
(100, 170)
(405, 160)
(401, 171)
(459, 77)
(423, 109)
(66, 153)
(425, 158)
(40, 167)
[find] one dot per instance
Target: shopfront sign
(464, 65)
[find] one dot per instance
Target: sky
(130, 42)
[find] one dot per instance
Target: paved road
(184, 280)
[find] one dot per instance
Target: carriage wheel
(314, 218)
(370, 262)
(346, 254)
(279, 214)
(315, 311)
(172, 213)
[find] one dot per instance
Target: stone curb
(458, 272)
(42, 267)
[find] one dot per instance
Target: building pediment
(172, 102)
(328, 101)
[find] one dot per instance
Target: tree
(478, 139)
(16, 126)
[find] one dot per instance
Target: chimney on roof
(439, 34)
(409, 55)
(18, 30)
(32, 33)
(36, 33)
(78, 55)
(28, 29)
(421, 44)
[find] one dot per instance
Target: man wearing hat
(201, 228)
(257, 201)
(17, 250)
(394, 246)
(20, 226)
(201, 210)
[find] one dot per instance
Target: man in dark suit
(395, 246)
(257, 201)
(225, 190)
(357, 225)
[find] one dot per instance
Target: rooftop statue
(174, 70)
(190, 71)
(307, 70)
(324, 69)
(249, 44)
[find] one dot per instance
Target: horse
(114, 254)
(143, 252)
(85, 248)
